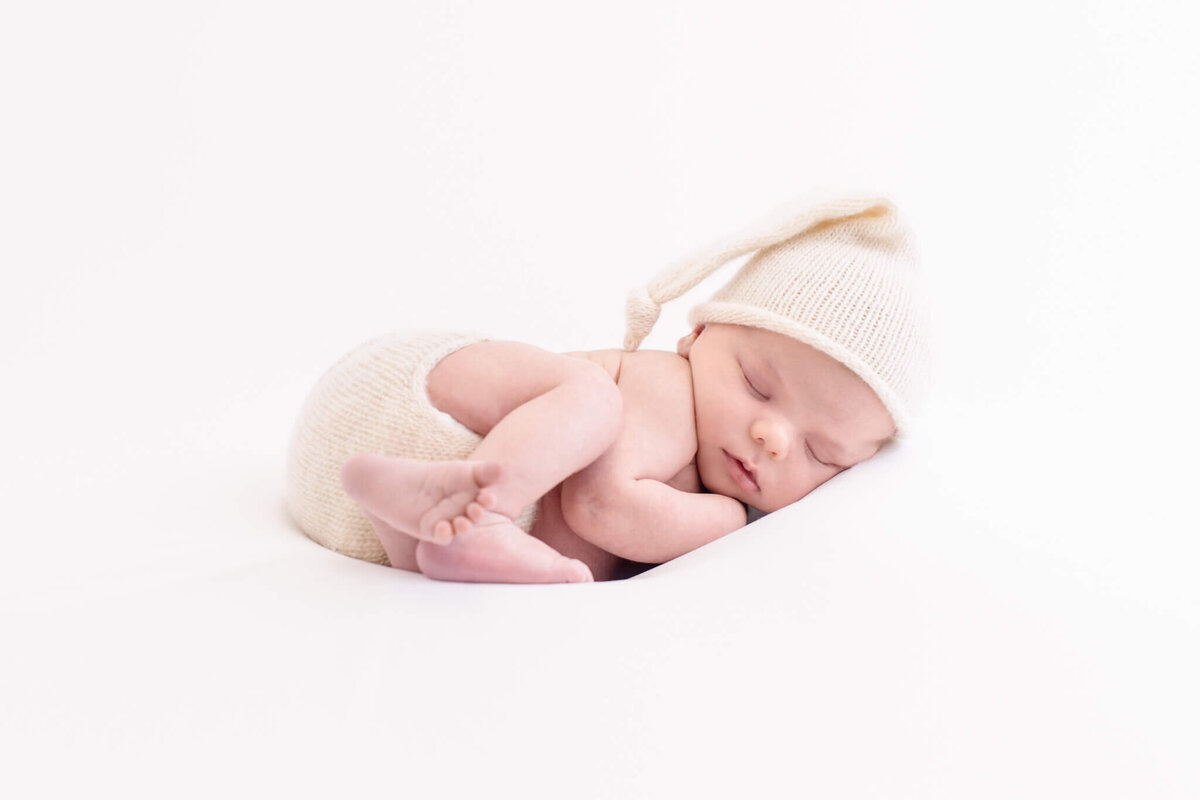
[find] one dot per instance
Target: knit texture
(373, 400)
(837, 273)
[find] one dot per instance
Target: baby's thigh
(483, 383)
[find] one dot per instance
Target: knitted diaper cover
(373, 400)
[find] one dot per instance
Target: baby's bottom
(415, 505)
(383, 451)
(374, 399)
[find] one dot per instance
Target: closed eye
(819, 461)
(750, 384)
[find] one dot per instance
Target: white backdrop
(202, 205)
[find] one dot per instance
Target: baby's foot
(494, 550)
(428, 500)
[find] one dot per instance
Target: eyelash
(819, 461)
(757, 393)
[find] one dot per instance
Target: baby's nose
(770, 437)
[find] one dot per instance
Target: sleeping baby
(468, 459)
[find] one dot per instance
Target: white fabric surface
(201, 207)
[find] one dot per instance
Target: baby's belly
(553, 529)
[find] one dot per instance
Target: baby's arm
(643, 519)
(621, 502)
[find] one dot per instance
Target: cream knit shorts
(373, 400)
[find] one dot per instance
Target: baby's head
(811, 357)
(776, 418)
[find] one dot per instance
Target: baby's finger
(461, 524)
(474, 512)
(486, 499)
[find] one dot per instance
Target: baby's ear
(684, 348)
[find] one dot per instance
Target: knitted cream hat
(839, 274)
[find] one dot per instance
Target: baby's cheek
(797, 488)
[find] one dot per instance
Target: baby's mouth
(742, 475)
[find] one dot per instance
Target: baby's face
(776, 418)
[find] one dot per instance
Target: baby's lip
(748, 472)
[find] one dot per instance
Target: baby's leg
(543, 417)
(401, 549)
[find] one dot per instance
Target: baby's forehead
(786, 356)
(789, 356)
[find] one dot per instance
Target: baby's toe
(579, 572)
(442, 532)
(462, 525)
(486, 498)
(486, 473)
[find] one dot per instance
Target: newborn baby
(570, 467)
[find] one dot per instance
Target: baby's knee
(599, 392)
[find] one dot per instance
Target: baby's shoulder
(644, 369)
(656, 389)
(655, 370)
(655, 385)
(609, 359)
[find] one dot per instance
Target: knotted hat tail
(838, 273)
